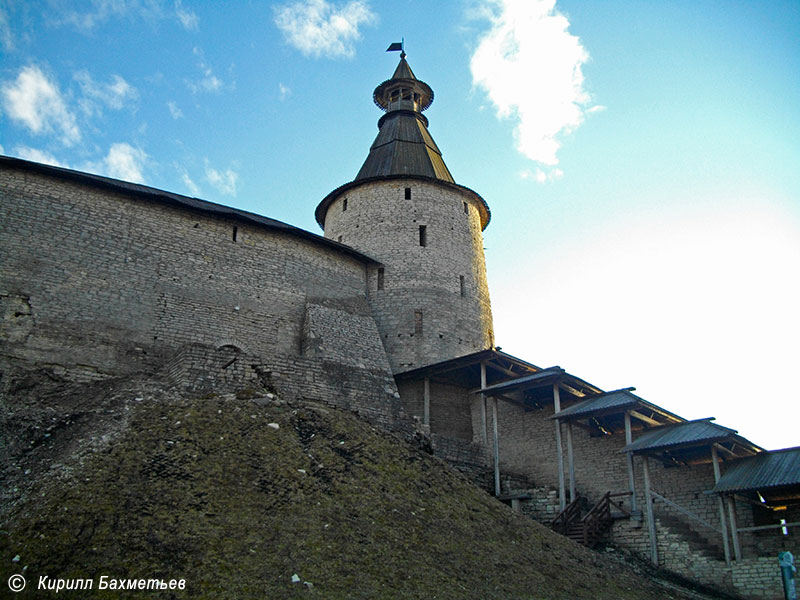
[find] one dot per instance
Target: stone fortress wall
(104, 282)
(430, 297)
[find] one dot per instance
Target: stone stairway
(688, 532)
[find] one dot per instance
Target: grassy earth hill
(236, 494)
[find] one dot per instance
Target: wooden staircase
(589, 529)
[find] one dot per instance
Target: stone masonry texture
(422, 312)
(103, 283)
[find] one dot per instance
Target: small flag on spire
(395, 47)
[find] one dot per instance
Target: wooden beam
(722, 522)
(562, 504)
(500, 368)
(629, 460)
(496, 448)
(641, 417)
(722, 448)
(484, 424)
(737, 549)
(648, 499)
(570, 463)
(426, 402)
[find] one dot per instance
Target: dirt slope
(130, 479)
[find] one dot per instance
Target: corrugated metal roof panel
(762, 471)
(681, 434)
(619, 399)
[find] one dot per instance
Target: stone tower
(430, 298)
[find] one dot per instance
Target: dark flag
(395, 47)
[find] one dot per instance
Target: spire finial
(395, 46)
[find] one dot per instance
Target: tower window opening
(235, 232)
(463, 286)
(344, 205)
(417, 321)
(423, 235)
(380, 278)
(408, 193)
(466, 209)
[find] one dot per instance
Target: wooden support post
(737, 549)
(496, 448)
(426, 408)
(570, 463)
(651, 522)
(722, 521)
(629, 457)
(562, 500)
(484, 423)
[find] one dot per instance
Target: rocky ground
(245, 496)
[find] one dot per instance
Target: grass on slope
(207, 489)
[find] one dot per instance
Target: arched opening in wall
(380, 278)
(423, 235)
(235, 232)
(408, 193)
(228, 354)
(344, 205)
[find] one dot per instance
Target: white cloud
(529, 65)
(174, 110)
(188, 18)
(6, 37)
(320, 28)
(284, 91)
(114, 94)
(97, 12)
(223, 181)
(123, 161)
(36, 155)
(541, 175)
(36, 102)
(100, 11)
(209, 81)
(190, 184)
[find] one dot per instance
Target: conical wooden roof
(403, 145)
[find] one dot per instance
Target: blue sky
(641, 159)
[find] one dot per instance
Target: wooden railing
(571, 514)
(592, 526)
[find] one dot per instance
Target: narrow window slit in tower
(235, 232)
(417, 321)
(423, 235)
(380, 278)
(466, 209)
(344, 205)
(463, 288)
(408, 193)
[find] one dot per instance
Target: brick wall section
(450, 412)
(758, 578)
(380, 222)
(103, 283)
(469, 458)
(370, 392)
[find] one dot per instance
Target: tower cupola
(403, 145)
(403, 91)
